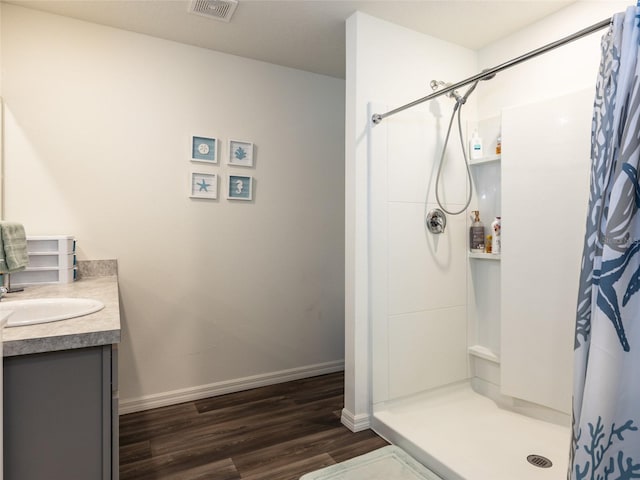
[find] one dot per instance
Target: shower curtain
(606, 399)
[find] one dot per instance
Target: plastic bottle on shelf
(476, 233)
(496, 226)
(499, 145)
(475, 146)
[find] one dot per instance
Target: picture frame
(239, 187)
(240, 153)
(204, 149)
(203, 185)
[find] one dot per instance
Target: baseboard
(229, 386)
(355, 423)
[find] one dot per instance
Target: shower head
(436, 84)
(460, 99)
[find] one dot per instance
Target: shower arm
(378, 117)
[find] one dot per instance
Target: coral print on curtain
(606, 397)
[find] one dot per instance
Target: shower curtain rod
(378, 117)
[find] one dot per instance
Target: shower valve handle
(436, 221)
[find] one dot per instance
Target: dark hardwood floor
(279, 432)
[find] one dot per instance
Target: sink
(44, 310)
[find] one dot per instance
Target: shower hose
(460, 101)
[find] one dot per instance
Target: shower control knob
(436, 221)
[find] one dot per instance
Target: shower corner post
(377, 213)
(362, 140)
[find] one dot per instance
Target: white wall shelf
(485, 159)
(485, 256)
(484, 352)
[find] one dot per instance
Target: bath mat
(386, 463)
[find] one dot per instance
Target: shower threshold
(462, 435)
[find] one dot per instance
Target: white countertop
(100, 328)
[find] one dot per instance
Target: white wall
(1, 123)
(98, 125)
(568, 68)
(414, 288)
(0, 52)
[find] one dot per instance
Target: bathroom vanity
(61, 389)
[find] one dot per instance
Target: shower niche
(484, 269)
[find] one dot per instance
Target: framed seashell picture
(204, 149)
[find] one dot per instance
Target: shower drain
(539, 461)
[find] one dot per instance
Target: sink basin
(43, 310)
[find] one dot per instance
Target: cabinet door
(54, 416)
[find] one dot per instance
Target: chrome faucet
(9, 288)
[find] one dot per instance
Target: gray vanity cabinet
(59, 412)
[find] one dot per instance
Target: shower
(460, 101)
(468, 339)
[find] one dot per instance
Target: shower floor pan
(462, 435)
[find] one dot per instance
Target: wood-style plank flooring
(279, 432)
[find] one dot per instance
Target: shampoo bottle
(475, 146)
(476, 233)
(496, 241)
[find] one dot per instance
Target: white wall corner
(357, 384)
(355, 422)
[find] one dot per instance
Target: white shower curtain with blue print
(606, 400)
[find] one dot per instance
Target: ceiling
(304, 34)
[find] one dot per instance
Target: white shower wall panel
(545, 196)
(426, 271)
(415, 143)
(426, 350)
(390, 174)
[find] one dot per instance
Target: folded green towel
(14, 246)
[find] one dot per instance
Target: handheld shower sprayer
(473, 87)
(460, 101)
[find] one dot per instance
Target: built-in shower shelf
(483, 352)
(487, 159)
(485, 256)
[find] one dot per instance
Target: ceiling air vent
(217, 9)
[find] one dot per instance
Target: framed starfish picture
(240, 153)
(203, 185)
